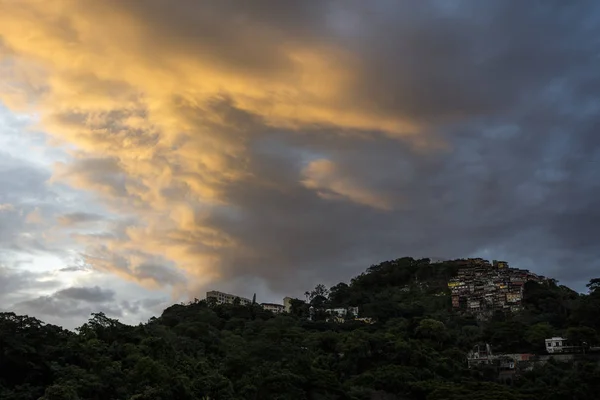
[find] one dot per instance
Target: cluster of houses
(509, 366)
(339, 315)
(482, 287)
(482, 355)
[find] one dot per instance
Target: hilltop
(415, 349)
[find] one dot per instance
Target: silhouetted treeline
(416, 349)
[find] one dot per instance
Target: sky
(151, 151)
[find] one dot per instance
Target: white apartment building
(226, 298)
(343, 311)
(556, 345)
(339, 314)
(274, 308)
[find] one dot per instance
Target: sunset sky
(151, 150)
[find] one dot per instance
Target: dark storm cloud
(506, 87)
(478, 59)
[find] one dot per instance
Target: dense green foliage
(415, 350)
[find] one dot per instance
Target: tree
(60, 392)
(211, 302)
(299, 308)
(319, 291)
(582, 334)
(594, 286)
(433, 330)
(415, 350)
(340, 294)
(537, 334)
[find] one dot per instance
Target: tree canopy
(415, 349)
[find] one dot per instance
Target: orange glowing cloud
(330, 183)
(138, 95)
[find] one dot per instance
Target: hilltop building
(274, 308)
(340, 314)
(482, 287)
(556, 344)
(482, 355)
(287, 304)
(226, 298)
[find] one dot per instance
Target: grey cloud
(69, 307)
(17, 283)
(443, 66)
(51, 307)
(150, 303)
(87, 294)
(26, 248)
(24, 185)
(131, 307)
(74, 268)
(160, 274)
(153, 305)
(79, 218)
(19, 179)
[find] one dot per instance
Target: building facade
(340, 314)
(287, 304)
(556, 345)
(226, 298)
(274, 308)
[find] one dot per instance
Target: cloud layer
(265, 146)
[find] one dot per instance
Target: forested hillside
(415, 350)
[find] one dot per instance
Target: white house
(556, 345)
